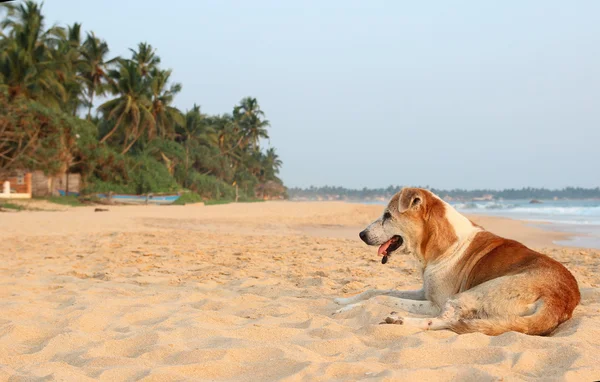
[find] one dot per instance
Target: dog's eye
(387, 216)
(416, 202)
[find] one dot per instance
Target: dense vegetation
(136, 140)
(340, 193)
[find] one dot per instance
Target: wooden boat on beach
(139, 199)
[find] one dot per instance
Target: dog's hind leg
(435, 323)
(450, 315)
(427, 308)
(418, 295)
(492, 308)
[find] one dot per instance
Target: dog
(473, 280)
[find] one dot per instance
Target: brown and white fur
(473, 280)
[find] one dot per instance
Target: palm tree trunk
(126, 148)
(89, 116)
(113, 129)
(187, 164)
(230, 150)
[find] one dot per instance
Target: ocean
(579, 217)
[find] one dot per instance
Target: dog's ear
(410, 198)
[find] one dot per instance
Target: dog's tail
(542, 322)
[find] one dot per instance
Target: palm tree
(201, 129)
(253, 162)
(28, 65)
(165, 115)
(69, 71)
(227, 136)
(249, 117)
(95, 69)
(272, 161)
(193, 126)
(69, 56)
(131, 110)
(145, 57)
(187, 134)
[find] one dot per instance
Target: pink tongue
(384, 247)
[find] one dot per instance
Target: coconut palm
(94, 52)
(223, 136)
(28, 63)
(131, 110)
(249, 117)
(271, 160)
(165, 115)
(145, 57)
(193, 126)
(69, 54)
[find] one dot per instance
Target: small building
(44, 185)
(17, 185)
(24, 185)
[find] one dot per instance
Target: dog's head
(418, 222)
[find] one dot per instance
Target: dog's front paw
(393, 319)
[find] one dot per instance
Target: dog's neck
(464, 231)
(463, 227)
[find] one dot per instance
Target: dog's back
(531, 278)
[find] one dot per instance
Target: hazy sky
(371, 93)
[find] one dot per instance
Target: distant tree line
(341, 193)
(136, 140)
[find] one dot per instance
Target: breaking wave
(564, 212)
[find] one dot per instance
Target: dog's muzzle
(388, 247)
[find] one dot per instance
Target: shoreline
(533, 233)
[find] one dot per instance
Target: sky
(461, 94)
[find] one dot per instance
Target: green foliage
(216, 202)
(246, 180)
(37, 137)
(227, 201)
(210, 187)
(138, 141)
(139, 174)
(30, 64)
(188, 198)
(149, 175)
(11, 206)
(95, 185)
(106, 170)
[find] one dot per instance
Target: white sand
(245, 293)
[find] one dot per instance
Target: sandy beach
(244, 292)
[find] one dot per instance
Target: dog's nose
(363, 236)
